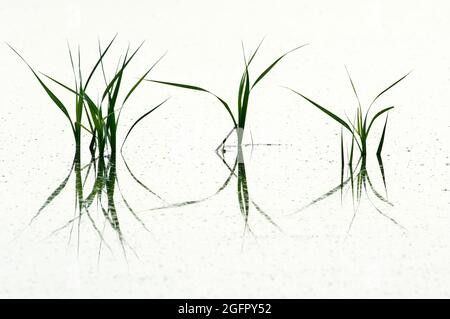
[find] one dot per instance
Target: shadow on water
(358, 182)
(99, 195)
(97, 188)
(236, 170)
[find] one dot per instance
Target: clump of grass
(245, 88)
(102, 125)
(361, 126)
(80, 89)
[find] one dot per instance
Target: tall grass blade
(376, 116)
(353, 87)
(388, 88)
(256, 51)
(264, 73)
(140, 119)
(380, 145)
(58, 103)
(98, 62)
(141, 79)
(120, 72)
(330, 114)
(196, 88)
(245, 97)
(383, 175)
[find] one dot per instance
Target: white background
(196, 251)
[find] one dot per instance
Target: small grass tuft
(362, 125)
(101, 125)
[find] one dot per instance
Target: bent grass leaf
(329, 113)
(196, 88)
(264, 73)
(140, 119)
(53, 97)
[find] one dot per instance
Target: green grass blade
(264, 73)
(388, 88)
(245, 98)
(353, 132)
(256, 51)
(382, 92)
(196, 88)
(244, 91)
(353, 86)
(60, 84)
(98, 62)
(350, 161)
(342, 152)
(58, 103)
(79, 69)
(94, 110)
(85, 128)
(119, 74)
(376, 116)
(73, 66)
(241, 87)
(380, 145)
(330, 114)
(115, 94)
(140, 119)
(141, 79)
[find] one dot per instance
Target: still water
(278, 217)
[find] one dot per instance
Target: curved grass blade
(60, 84)
(245, 98)
(376, 116)
(383, 175)
(353, 86)
(388, 88)
(73, 66)
(140, 119)
(85, 128)
(142, 78)
(58, 103)
(342, 155)
(118, 75)
(330, 114)
(244, 79)
(264, 73)
(196, 88)
(256, 51)
(84, 95)
(98, 62)
(380, 145)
